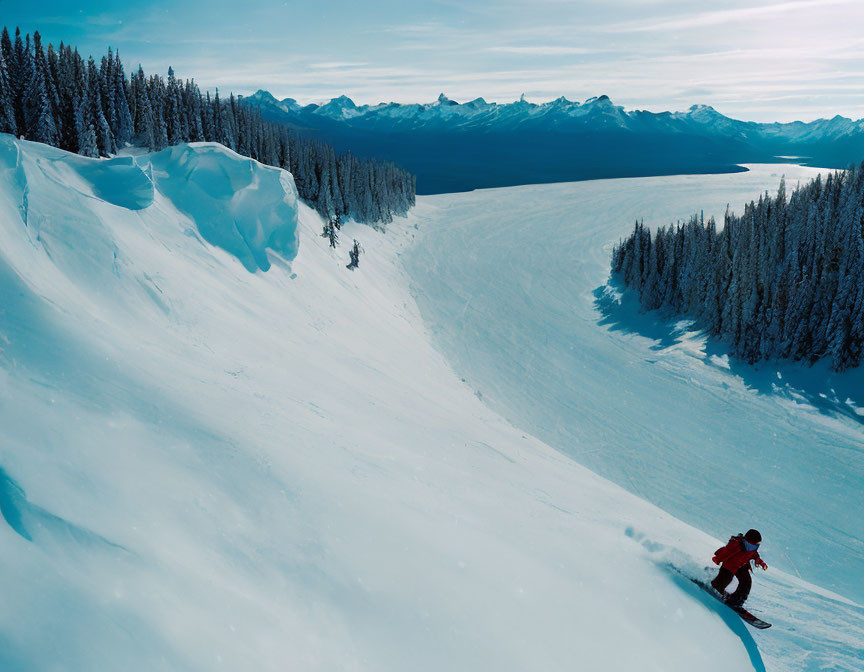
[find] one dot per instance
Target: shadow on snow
(29, 520)
(733, 620)
(830, 393)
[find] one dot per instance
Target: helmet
(753, 536)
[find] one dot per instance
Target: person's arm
(723, 554)
(759, 562)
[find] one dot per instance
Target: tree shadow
(830, 393)
(621, 311)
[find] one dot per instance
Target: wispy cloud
(714, 18)
(336, 65)
(763, 59)
(541, 50)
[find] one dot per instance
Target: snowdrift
(206, 468)
(233, 202)
(238, 204)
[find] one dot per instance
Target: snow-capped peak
(343, 101)
(261, 96)
(703, 112)
(598, 113)
(341, 107)
(603, 100)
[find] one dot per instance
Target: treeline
(783, 281)
(56, 97)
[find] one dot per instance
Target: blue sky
(764, 60)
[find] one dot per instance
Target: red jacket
(734, 556)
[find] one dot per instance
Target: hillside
(206, 464)
(513, 285)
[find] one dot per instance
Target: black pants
(724, 578)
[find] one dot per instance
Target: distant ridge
(480, 114)
(454, 146)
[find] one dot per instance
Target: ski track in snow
(206, 466)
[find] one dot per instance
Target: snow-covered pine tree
(59, 98)
(173, 128)
(324, 202)
(39, 124)
(95, 118)
(192, 104)
(19, 75)
(88, 145)
(51, 69)
(156, 95)
(784, 280)
(6, 45)
(125, 129)
(7, 111)
(106, 86)
(354, 255)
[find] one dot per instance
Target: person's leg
(737, 598)
(723, 579)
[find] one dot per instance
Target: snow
(513, 285)
(236, 203)
(209, 466)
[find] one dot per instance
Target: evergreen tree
(58, 98)
(39, 121)
(6, 45)
(173, 128)
(106, 89)
(331, 232)
(784, 280)
(19, 75)
(7, 111)
(95, 115)
(354, 255)
(89, 146)
(125, 129)
(143, 119)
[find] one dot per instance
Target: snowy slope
(513, 285)
(208, 468)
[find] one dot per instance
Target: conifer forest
(56, 97)
(785, 280)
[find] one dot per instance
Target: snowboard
(745, 615)
(749, 618)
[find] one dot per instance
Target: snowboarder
(735, 558)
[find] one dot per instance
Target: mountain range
(453, 146)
